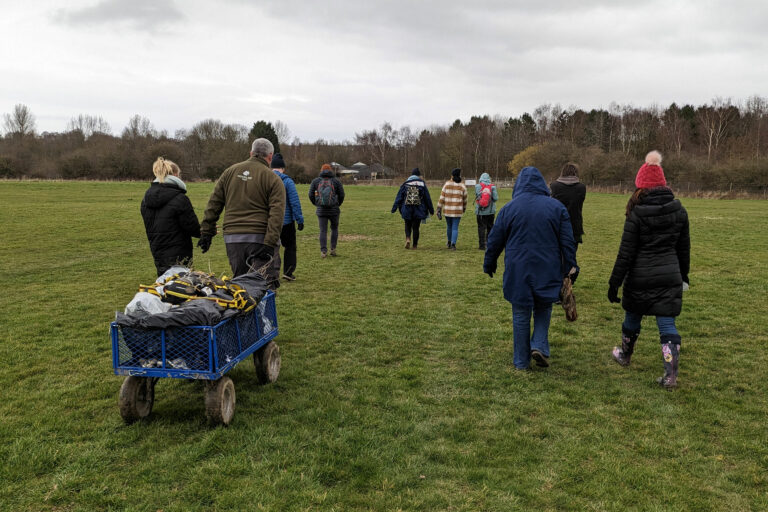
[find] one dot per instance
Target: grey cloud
(146, 15)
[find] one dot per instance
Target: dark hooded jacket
(535, 233)
(654, 255)
(572, 196)
(327, 211)
(419, 211)
(170, 222)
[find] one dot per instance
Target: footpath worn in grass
(396, 390)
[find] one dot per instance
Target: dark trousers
(484, 225)
(412, 225)
(242, 260)
(288, 241)
(323, 221)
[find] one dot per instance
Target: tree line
(714, 146)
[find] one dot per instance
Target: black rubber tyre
(137, 396)
(220, 401)
(267, 363)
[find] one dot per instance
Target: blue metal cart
(195, 352)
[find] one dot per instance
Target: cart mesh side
(193, 351)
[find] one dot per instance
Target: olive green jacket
(253, 198)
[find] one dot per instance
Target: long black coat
(654, 255)
(572, 196)
(170, 222)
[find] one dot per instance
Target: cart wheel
(267, 362)
(220, 401)
(137, 396)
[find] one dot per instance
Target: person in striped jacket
(452, 205)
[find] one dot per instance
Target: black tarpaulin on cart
(199, 311)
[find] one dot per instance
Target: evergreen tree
(264, 129)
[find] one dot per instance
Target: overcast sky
(332, 68)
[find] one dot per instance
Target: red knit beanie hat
(651, 174)
(326, 167)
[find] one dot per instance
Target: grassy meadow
(396, 390)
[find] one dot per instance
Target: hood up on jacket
(530, 181)
(485, 178)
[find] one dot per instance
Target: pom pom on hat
(277, 161)
(651, 174)
(456, 172)
(653, 158)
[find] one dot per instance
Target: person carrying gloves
(535, 233)
(293, 218)
(253, 200)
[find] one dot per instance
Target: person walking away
(652, 266)
(169, 218)
(452, 204)
(486, 196)
(253, 200)
(292, 218)
(535, 233)
(568, 190)
(415, 206)
(327, 194)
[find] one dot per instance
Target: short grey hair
(262, 148)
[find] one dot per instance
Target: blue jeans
(521, 326)
(666, 324)
(452, 228)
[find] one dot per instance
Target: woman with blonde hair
(169, 218)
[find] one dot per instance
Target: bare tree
(20, 122)
(88, 125)
(282, 131)
(139, 126)
(715, 121)
(404, 140)
(674, 127)
(757, 106)
(377, 142)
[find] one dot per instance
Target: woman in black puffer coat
(652, 265)
(169, 218)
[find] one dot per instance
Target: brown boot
(670, 350)
(624, 354)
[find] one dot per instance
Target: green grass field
(396, 390)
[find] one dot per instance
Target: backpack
(412, 197)
(484, 199)
(325, 194)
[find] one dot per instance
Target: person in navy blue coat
(415, 206)
(535, 232)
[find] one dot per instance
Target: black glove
(573, 275)
(263, 251)
(490, 270)
(439, 214)
(613, 295)
(300, 226)
(205, 242)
